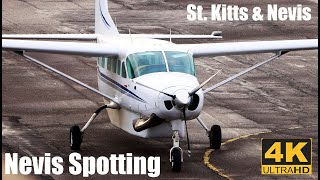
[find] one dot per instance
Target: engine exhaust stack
(147, 122)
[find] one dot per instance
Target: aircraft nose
(172, 107)
(182, 98)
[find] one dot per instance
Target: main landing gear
(76, 134)
(214, 134)
(75, 137)
(215, 137)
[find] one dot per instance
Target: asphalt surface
(279, 100)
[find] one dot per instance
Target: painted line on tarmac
(206, 156)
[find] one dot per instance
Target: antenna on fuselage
(115, 22)
(170, 35)
(130, 35)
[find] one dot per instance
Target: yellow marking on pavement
(206, 156)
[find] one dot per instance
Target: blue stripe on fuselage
(118, 87)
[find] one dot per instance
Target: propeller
(185, 122)
(202, 84)
(170, 95)
(182, 98)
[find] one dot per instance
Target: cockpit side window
(123, 71)
(130, 69)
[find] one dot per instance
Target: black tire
(215, 137)
(75, 138)
(176, 160)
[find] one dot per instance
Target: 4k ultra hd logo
(286, 156)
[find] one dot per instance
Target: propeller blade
(185, 121)
(202, 84)
(170, 95)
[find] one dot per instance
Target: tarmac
(278, 100)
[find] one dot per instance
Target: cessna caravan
(148, 82)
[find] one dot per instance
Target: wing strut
(278, 54)
(66, 76)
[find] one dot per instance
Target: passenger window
(114, 64)
(109, 63)
(99, 61)
(103, 62)
(118, 67)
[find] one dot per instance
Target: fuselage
(144, 78)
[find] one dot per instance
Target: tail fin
(103, 21)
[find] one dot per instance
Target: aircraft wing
(87, 49)
(213, 35)
(234, 48)
(78, 48)
(51, 36)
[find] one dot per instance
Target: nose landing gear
(176, 153)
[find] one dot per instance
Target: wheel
(75, 137)
(176, 160)
(215, 137)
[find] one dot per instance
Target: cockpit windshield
(180, 62)
(142, 63)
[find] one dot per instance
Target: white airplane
(149, 85)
